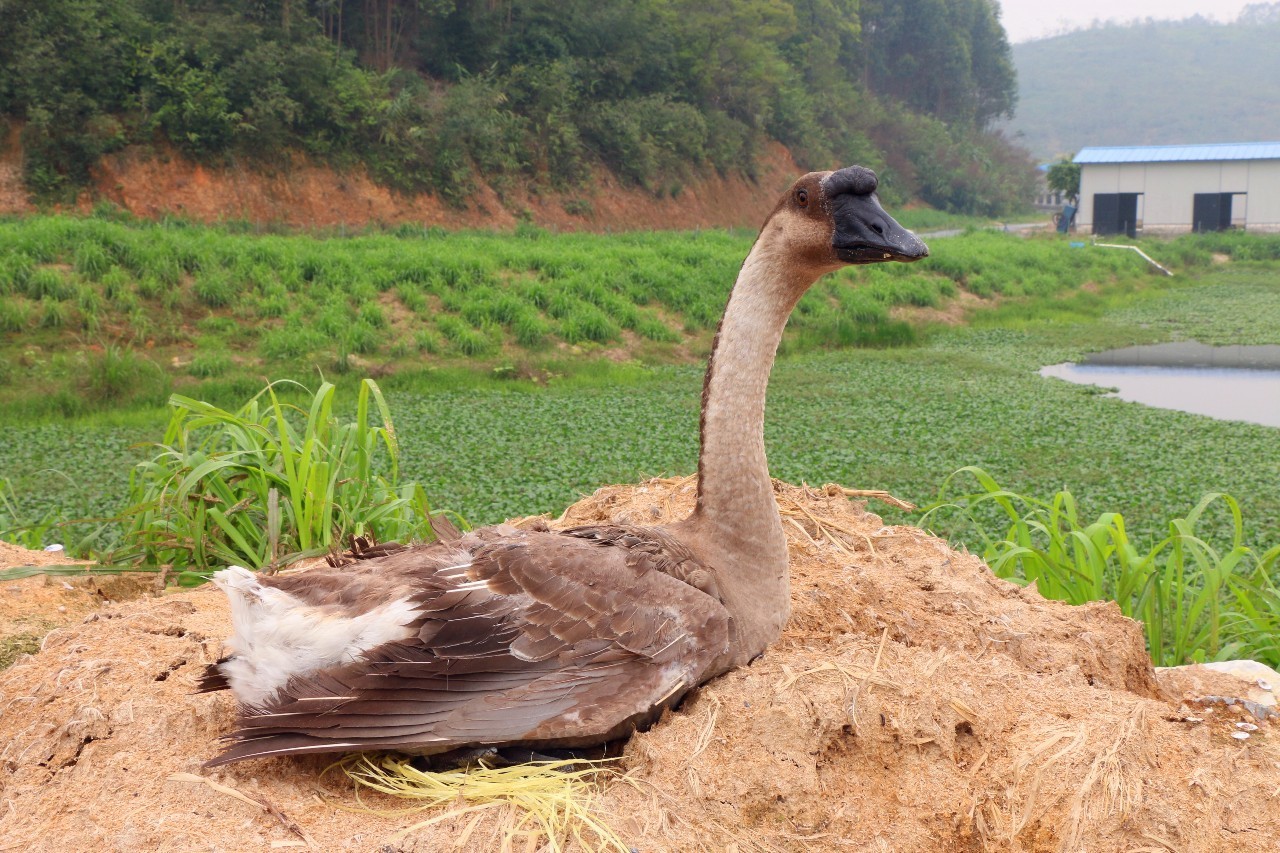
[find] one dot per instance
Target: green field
(490, 444)
(96, 312)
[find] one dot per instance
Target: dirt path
(915, 702)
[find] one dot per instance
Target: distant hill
(1151, 83)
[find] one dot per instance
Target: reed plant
(269, 483)
(1197, 600)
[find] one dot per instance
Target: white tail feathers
(278, 636)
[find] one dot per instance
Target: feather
(525, 639)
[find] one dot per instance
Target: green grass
(1198, 600)
(929, 219)
(1139, 512)
(901, 419)
(494, 425)
(283, 304)
(267, 484)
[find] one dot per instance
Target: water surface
(1235, 383)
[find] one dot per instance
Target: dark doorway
(1115, 213)
(1211, 212)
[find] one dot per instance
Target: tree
(948, 58)
(1064, 177)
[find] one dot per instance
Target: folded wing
(544, 639)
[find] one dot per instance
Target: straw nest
(915, 702)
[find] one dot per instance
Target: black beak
(864, 233)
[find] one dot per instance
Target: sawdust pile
(914, 703)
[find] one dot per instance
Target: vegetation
(147, 308)
(1196, 602)
(256, 489)
(14, 646)
(1116, 84)
(1064, 177)
(529, 430)
(533, 426)
(429, 96)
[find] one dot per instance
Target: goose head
(833, 219)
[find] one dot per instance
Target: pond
(1235, 383)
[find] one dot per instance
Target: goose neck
(736, 513)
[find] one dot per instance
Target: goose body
(571, 638)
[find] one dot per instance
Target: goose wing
(544, 639)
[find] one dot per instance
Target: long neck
(736, 517)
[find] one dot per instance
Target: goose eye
(802, 198)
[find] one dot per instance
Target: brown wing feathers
(568, 640)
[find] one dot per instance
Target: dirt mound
(31, 607)
(301, 193)
(914, 703)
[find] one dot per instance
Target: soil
(955, 312)
(31, 607)
(915, 702)
(151, 183)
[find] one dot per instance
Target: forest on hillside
(432, 95)
(1151, 83)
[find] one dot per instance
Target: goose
(554, 639)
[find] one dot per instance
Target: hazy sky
(1029, 19)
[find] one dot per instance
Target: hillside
(524, 95)
(1152, 83)
(312, 195)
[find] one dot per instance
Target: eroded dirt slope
(151, 183)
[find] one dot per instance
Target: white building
(1172, 189)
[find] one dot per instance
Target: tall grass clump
(269, 483)
(466, 339)
(585, 322)
(1197, 600)
(15, 314)
(209, 365)
(91, 259)
(290, 341)
(54, 314)
(15, 271)
(214, 289)
(46, 283)
(118, 375)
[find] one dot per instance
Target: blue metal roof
(1174, 153)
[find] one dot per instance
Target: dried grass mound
(915, 702)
